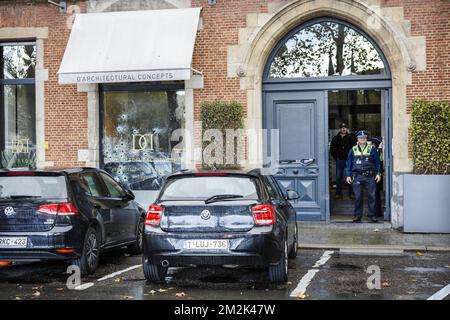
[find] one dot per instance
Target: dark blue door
(297, 139)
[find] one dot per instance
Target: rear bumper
(249, 249)
(34, 255)
(42, 246)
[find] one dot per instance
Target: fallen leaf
(377, 230)
(152, 292)
(37, 294)
(180, 294)
(127, 297)
(162, 290)
(385, 284)
(117, 280)
(301, 296)
(18, 298)
(419, 254)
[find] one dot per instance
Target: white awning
(131, 46)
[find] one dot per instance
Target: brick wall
(430, 18)
(66, 110)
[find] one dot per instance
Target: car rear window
(202, 188)
(46, 187)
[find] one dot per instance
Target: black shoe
(373, 220)
(356, 220)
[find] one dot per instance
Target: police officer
(364, 172)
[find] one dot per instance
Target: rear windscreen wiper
(219, 197)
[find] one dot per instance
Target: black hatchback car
(220, 218)
(70, 215)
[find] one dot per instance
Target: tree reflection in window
(326, 49)
(19, 61)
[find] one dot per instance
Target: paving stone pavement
(338, 235)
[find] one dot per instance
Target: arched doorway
(322, 73)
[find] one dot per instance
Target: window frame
(5, 82)
(131, 87)
(383, 76)
(104, 192)
(101, 176)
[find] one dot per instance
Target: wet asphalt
(411, 276)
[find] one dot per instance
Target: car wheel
(294, 249)
(136, 248)
(153, 272)
(278, 272)
(88, 261)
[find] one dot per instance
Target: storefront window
(139, 145)
(17, 104)
(326, 49)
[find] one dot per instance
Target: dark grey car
(220, 218)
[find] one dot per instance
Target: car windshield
(202, 188)
(46, 187)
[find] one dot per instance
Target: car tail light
(154, 214)
(61, 209)
(264, 214)
(65, 250)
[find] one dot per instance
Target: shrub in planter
(426, 191)
(430, 130)
(221, 115)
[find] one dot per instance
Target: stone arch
(389, 39)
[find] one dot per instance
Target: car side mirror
(292, 195)
(129, 195)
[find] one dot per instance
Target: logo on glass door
(20, 146)
(143, 142)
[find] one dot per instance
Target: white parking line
(325, 257)
(307, 278)
(112, 275)
(441, 294)
(87, 285)
(83, 286)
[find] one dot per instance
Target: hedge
(222, 115)
(430, 131)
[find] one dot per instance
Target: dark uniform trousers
(367, 183)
